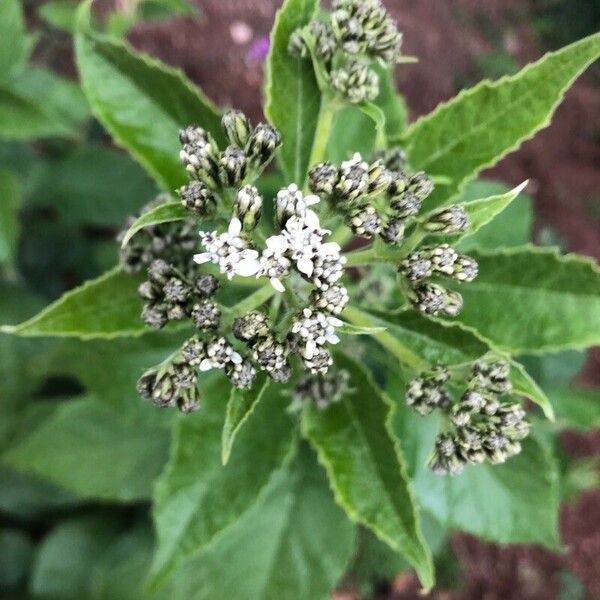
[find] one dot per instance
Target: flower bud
(433, 299)
(237, 128)
(192, 134)
(318, 362)
(416, 266)
(206, 285)
(393, 232)
(319, 390)
(443, 258)
(364, 221)
(323, 178)
(453, 219)
(201, 161)
(241, 375)
(248, 206)
(421, 185)
(353, 179)
(270, 354)
(251, 326)
(159, 271)
(195, 196)
(147, 291)
(332, 299)
(193, 351)
(176, 291)
(206, 315)
(281, 374)
(297, 46)
(262, 144)
(380, 178)
(406, 205)
(325, 43)
(154, 316)
(356, 83)
(232, 163)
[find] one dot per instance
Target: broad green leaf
(16, 550)
(87, 448)
(578, 408)
(349, 329)
(23, 118)
(365, 467)
(516, 502)
(14, 45)
(419, 342)
(295, 545)
(484, 210)
(352, 131)
(61, 14)
(375, 113)
(106, 307)
(68, 555)
(10, 200)
(555, 370)
(142, 103)
(165, 213)
(530, 299)
(94, 185)
(392, 104)
(240, 407)
(512, 227)
(197, 497)
(481, 125)
(292, 94)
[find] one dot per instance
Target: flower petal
(206, 365)
(235, 227)
(277, 284)
(202, 258)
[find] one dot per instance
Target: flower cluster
(344, 46)
(214, 171)
(481, 427)
(319, 390)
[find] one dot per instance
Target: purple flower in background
(259, 48)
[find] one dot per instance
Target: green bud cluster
(170, 295)
(175, 242)
(319, 390)
(479, 425)
(432, 298)
(345, 45)
(213, 170)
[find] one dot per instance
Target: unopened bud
(380, 178)
(248, 206)
(232, 163)
(453, 219)
(237, 128)
(323, 178)
(262, 144)
(195, 196)
(364, 221)
(353, 179)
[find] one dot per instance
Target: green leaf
(530, 299)
(352, 131)
(516, 502)
(197, 497)
(484, 210)
(105, 307)
(294, 545)
(375, 113)
(365, 467)
(165, 213)
(10, 199)
(292, 94)
(87, 448)
(481, 125)
(392, 105)
(418, 342)
(240, 407)
(512, 227)
(14, 45)
(142, 103)
(67, 556)
(95, 185)
(579, 408)
(61, 14)
(16, 550)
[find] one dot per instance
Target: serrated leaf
(530, 299)
(239, 409)
(516, 502)
(292, 94)
(365, 467)
(14, 45)
(418, 342)
(87, 448)
(481, 125)
(484, 210)
(105, 307)
(9, 221)
(141, 102)
(197, 497)
(511, 227)
(165, 213)
(294, 545)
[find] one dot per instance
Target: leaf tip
(521, 187)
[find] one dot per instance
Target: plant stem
(249, 303)
(386, 339)
(324, 122)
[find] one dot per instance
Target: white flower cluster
(300, 244)
(315, 329)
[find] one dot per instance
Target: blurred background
(73, 190)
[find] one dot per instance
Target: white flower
(230, 251)
(218, 353)
(316, 329)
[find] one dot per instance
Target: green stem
(386, 339)
(324, 122)
(249, 303)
